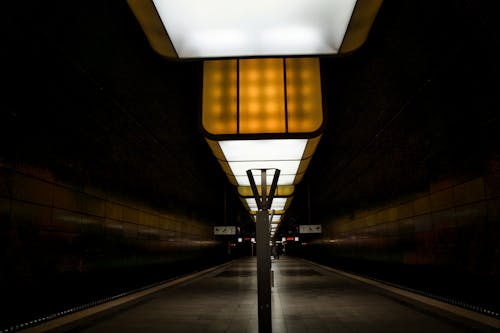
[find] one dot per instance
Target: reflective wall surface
(445, 241)
(62, 245)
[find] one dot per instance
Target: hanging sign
(224, 230)
(310, 229)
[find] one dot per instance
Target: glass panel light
(225, 28)
(277, 204)
(281, 191)
(283, 180)
(276, 218)
(250, 96)
(220, 103)
(285, 154)
(285, 167)
(263, 114)
(263, 150)
(261, 96)
(251, 203)
(304, 102)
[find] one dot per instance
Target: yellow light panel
(261, 93)
(304, 102)
(257, 97)
(249, 96)
(220, 97)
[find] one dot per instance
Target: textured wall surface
(445, 241)
(456, 225)
(62, 245)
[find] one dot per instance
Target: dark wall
(409, 164)
(444, 242)
(63, 245)
(106, 183)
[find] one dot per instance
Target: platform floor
(306, 298)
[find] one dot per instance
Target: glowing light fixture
(225, 28)
(278, 204)
(284, 154)
(263, 114)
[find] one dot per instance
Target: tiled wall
(47, 227)
(451, 225)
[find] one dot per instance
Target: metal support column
(263, 249)
(263, 272)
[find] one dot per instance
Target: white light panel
(228, 28)
(282, 180)
(263, 150)
(278, 204)
(283, 154)
(251, 203)
(286, 167)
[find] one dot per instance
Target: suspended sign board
(310, 229)
(224, 230)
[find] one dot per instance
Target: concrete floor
(306, 299)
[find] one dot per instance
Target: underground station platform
(305, 298)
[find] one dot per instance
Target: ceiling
(87, 98)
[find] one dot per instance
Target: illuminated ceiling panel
(283, 180)
(263, 150)
(246, 101)
(285, 167)
(263, 114)
(278, 204)
(285, 154)
(225, 28)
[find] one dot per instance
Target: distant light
(278, 203)
(253, 240)
(240, 240)
(276, 218)
(296, 239)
